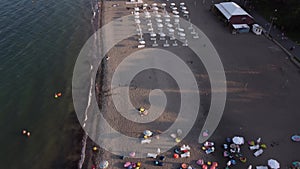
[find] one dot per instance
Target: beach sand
(262, 93)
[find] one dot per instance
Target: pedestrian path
(278, 36)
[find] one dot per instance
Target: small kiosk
(257, 29)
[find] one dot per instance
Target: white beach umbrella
(136, 13)
(153, 34)
(169, 25)
(171, 30)
(154, 4)
(148, 133)
(167, 16)
(158, 16)
(137, 9)
(296, 138)
(174, 8)
(172, 4)
(180, 29)
(160, 25)
(238, 140)
(151, 29)
(142, 42)
(147, 16)
(155, 8)
(162, 35)
(167, 20)
(181, 34)
(103, 164)
(186, 12)
(158, 20)
(137, 21)
(145, 5)
(136, 17)
(181, 3)
(184, 8)
(175, 12)
(163, 4)
(274, 164)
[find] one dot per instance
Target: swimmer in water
(27, 133)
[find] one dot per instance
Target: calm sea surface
(39, 43)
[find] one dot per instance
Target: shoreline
(90, 158)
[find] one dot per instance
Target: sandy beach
(262, 94)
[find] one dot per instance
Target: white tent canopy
(230, 9)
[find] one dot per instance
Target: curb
(291, 56)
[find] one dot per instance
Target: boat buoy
(24, 132)
(57, 95)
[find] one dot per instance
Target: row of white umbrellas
(162, 23)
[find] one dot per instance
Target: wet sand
(262, 90)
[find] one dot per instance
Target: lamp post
(273, 18)
(245, 3)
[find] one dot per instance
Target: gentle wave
(95, 11)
